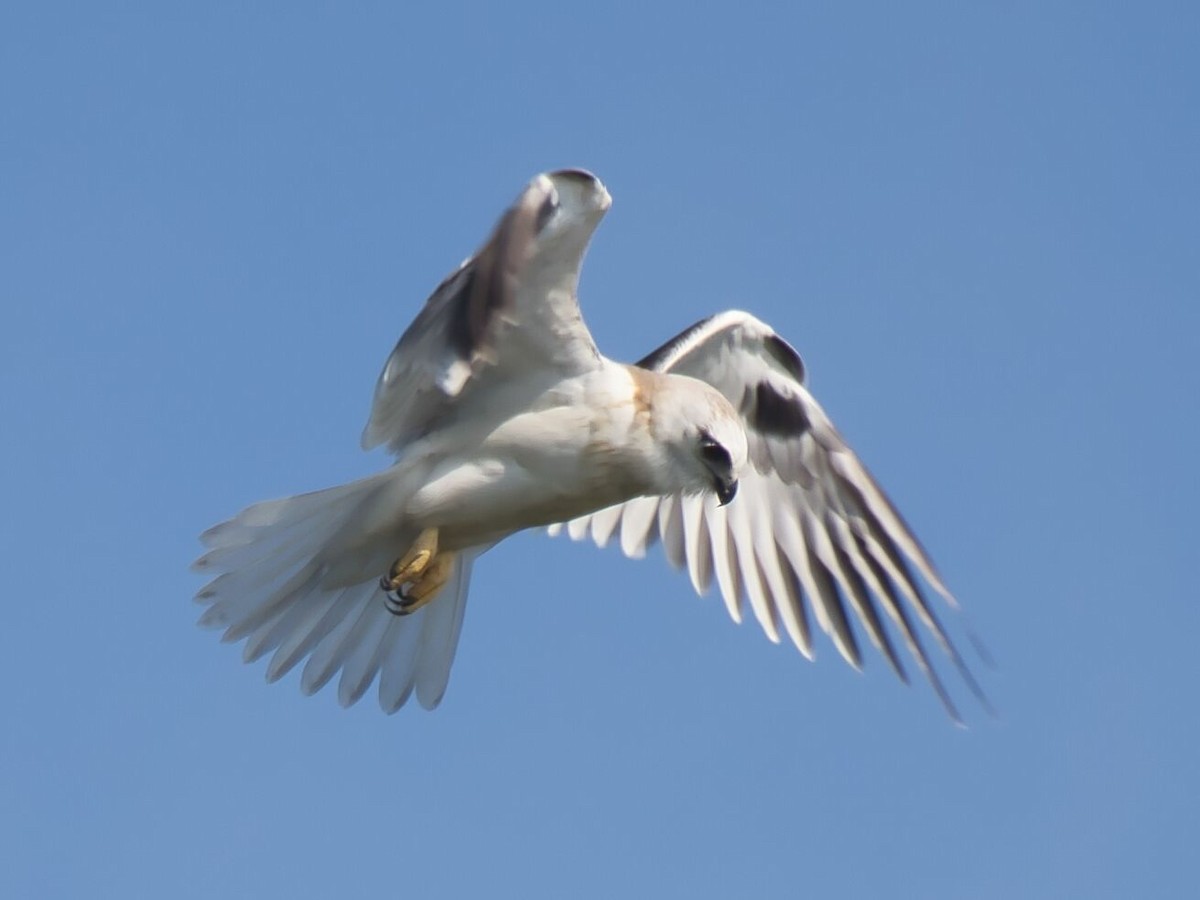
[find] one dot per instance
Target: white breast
(578, 449)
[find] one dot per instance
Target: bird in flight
(503, 415)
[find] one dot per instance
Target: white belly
(535, 469)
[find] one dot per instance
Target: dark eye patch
(714, 454)
(546, 211)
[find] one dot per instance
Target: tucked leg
(408, 568)
(422, 590)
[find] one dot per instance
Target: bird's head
(561, 210)
(703, 435)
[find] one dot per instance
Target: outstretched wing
(511, 309)
(810, 532)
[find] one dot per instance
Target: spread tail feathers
(300, 577)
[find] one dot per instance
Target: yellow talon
(416, 578)
(411, 565)
(432, 580)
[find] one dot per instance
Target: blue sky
(979, 227)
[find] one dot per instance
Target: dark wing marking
(770, 412)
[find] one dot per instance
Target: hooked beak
(726, 490)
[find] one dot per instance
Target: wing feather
(724, 557)
(790, 600)
(743, 529)
(698, 543)
(670, 530)
(604, 523)
(637, 524)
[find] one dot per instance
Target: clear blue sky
(980, 227)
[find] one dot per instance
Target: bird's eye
(547, 210)
(714, 454)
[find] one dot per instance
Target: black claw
(397, 605)
(395, 602)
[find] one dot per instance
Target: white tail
(300, 576)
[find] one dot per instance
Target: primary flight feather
(503, 415)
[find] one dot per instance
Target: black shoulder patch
(465, 323)
(770, 412)
(781, 351)
(484, 288)
(655, 358)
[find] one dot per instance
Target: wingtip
(982, 650)
(430, 700)
(393, 705)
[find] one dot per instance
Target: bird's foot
(409, 567)
(417, 576)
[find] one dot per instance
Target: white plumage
(503, 415)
